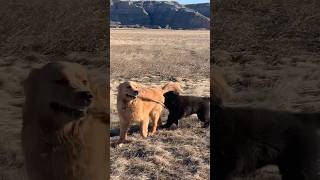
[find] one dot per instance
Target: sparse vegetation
(165, 53)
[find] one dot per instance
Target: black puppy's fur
(183, 106)
(245, 139)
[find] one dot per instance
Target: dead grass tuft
(180, 154)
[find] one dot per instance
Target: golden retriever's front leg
(144, 127)
(124, 125)
(155, 117)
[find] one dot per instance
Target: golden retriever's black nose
(85, 96)
(135, 93)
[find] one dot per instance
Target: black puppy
(246, 139)
(183, 106)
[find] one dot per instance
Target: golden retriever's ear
(172, 86)
(30, 82)
(135, 84)
(132, 84)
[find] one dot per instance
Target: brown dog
(64, 124)
(138, 103)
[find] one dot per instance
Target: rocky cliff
(157, 14)
(202, 8)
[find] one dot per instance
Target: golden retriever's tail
(172, 86)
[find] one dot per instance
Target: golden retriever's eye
(128, 87)
(62, 82)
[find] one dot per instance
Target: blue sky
(192, 1)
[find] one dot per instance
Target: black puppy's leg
(169, 121)
(290, 170)
(300, 159)
(172, 119)
(298, 165)
(222, 167)
(204, 116)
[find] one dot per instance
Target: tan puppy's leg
(144, 127)
(155, 117)
(124, 125)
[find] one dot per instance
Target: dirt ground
(269, 54)
(154, 57)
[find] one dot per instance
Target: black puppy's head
(170, 98)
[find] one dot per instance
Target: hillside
(202, 8)
(157, 14)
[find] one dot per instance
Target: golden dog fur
(138, 103)
(64, 138)
(219, 89)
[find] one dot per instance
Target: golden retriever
(138, 103)
(65, 123)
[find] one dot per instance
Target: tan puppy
(138, 103)
(64, 124)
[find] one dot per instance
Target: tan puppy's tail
(172, 86)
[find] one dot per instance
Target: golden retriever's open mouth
(132, 96)
(77, 113)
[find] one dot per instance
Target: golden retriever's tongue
(131, 96)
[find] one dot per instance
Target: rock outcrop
(164, 14)
(202, 8)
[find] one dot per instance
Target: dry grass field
(156, 57)
(269, 54)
